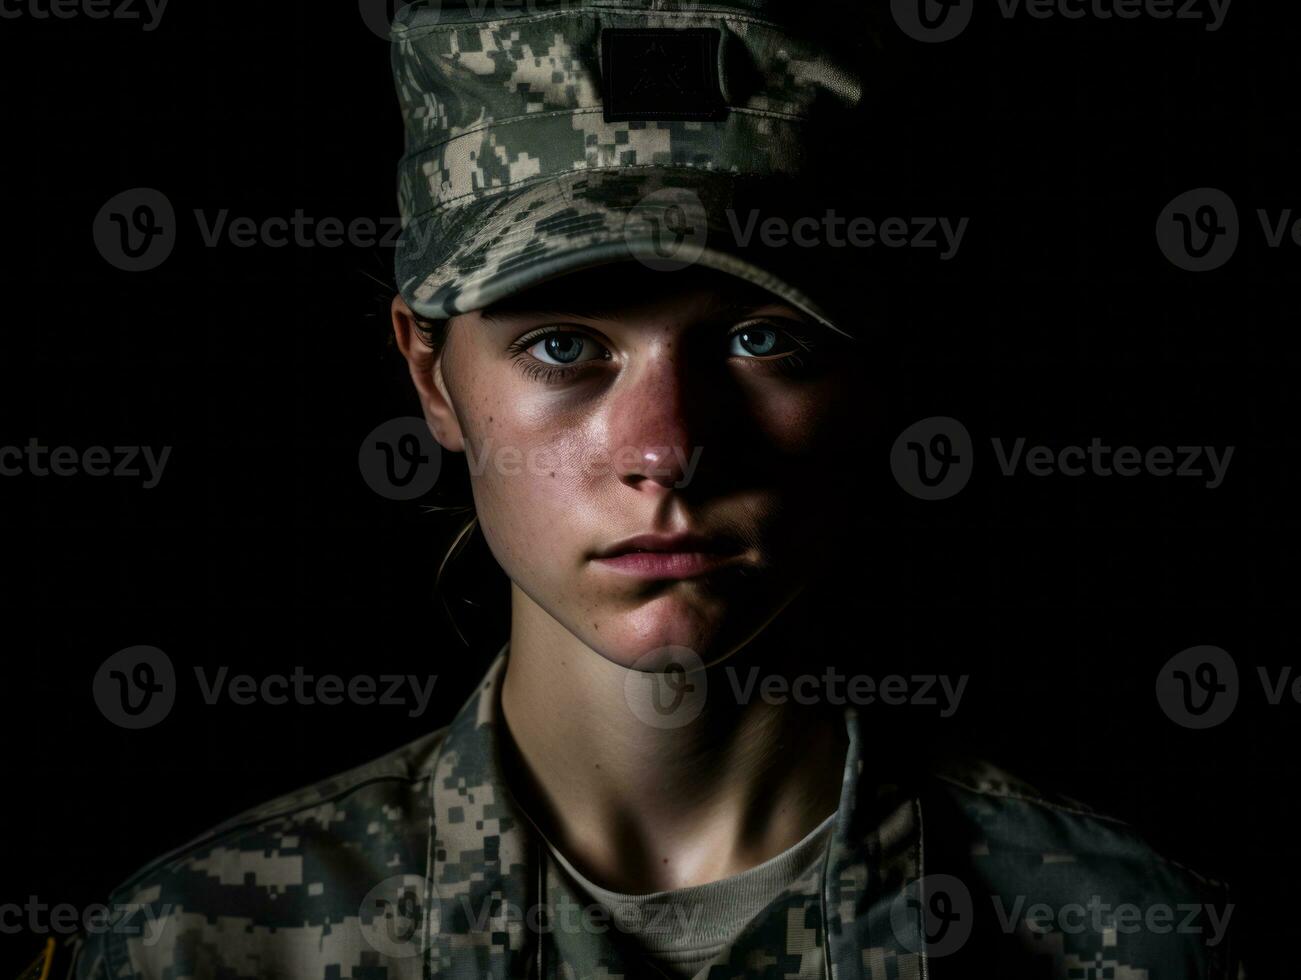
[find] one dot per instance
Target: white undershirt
(683, 929)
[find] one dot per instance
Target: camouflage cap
(547, 136)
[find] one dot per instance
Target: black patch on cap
(661, 73)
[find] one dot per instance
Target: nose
(650, 425)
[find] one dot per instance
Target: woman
(683, 446)
(661, 409)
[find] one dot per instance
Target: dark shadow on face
(658, 459)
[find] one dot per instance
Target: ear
(426, 367)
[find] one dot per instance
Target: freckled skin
(566, 468)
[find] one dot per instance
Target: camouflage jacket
(421, 865)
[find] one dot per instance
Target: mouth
(669, 556)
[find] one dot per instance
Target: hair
(432, 333)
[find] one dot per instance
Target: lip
(668, 555)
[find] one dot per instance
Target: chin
(670, 629)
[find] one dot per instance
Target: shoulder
(291, 866)
(346, 808)
(1053, 877)
(1008, 813)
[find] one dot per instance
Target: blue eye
(562, 348)
(760, 340)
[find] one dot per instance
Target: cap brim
(467, 256)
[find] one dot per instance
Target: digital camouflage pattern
(420, 864)
(511, 174)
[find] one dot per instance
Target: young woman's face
(656, 459)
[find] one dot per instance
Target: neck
(637, 808)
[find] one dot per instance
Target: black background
(264, 368)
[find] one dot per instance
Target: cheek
(529, 487)
(820, 445)
(811, 427)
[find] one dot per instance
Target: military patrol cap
(548, 136)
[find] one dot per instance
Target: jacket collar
(497, 906)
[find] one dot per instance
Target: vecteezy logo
(932, 21)
(666, 687)
(393, 919)
(666, 230)
(136, 687)
(1198, 687)
(932, 459)
(400, 459)
(377, 15)
(933, 913)
(1198, 230)
(135, 231)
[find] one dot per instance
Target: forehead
(629, 291)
